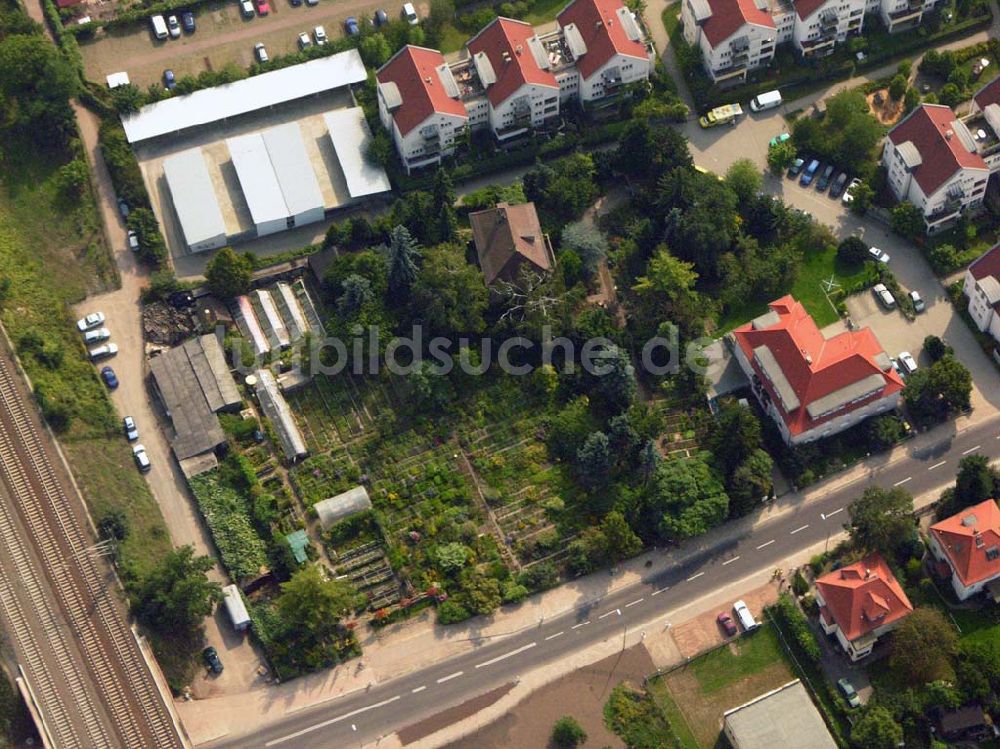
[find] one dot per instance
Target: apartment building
(820, 25)
(982, 287)
(734, 36)
(967, 545)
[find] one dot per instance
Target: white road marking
(581, 624)
(637, 600)
(609, 613)
(792, 533)
(557, 634)
(971, 450)
(767, 544)
(661, 590)
(512, 653)
(831, 514)
(937, 465)
(449, 677)
(419, 689)
(330, 722)
(900, 483)
(729, 561)
(695, 577)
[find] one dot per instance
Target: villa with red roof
(811, 385)
(936, 161)
(969, 544)
(982, 287)
(734, 36)
(859, 603)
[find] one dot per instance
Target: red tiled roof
(988, 264)
(602, 32)
(863, 596)
(805, 8)
(813, 365)
(988, 94)
(508, 236)
(927, 128)
(967, 536)
(414, 71)
(728, 17)
(507, 35)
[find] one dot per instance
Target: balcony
(729, 73)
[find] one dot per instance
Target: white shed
(195, 203)
(295, 174)
(259, 183)
(236, 608)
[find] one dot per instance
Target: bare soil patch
(883, 108)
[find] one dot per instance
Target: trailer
(727, 113)
(236, 608)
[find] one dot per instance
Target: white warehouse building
(194, 200)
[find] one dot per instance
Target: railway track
(80, 584)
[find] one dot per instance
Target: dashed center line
(633, 603)
(581, 624)
(802, 528)
(609, 613)
(971, 450)
(829, 515)
(449, 677)
(512, 653)
(900, 483)
(695, 577)
(766, 544)
(661, 590)
(557, 634)
(419, 689)
(330, 722)
(729, 561)
(937, 465)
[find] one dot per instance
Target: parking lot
(222, 36)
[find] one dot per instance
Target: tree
(176, 595)
(881, 519)
(976, 482)
(852, 251)
(908, 220)
(744, 178)
(311, 603)
(567, 733)
(911, 99)
(883, 431)
(621, 542)
(444, 206)
(862, 196)
(36, 84)
(449, 294)
(616, 385)
(648, 152)
(876, 729)
(683, 499)
(228, 274)
(750, 482)
(127, 99)
(897, 87)
(380, 149)
(733, 436)
(932, 392)
(588, 243)
(700, 218)
(72, 178)
(375, 50)
(594, 462)
(452, 557)
(950, 95)
(667, 291)
(114, 525)
(402, 255)
(935, 347)
(780, 156)
(923, 646)
(356, 292)
(847, 135)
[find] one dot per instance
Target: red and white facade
(734, 36)
(969, 543)
(982, 287)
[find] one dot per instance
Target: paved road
(717, 559)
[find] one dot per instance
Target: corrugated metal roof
(351, 136)
(293, 169)
(276, 409)
(193, 196)
(247, 95)
(257, 178)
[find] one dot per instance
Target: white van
(770, 100)
(746, 618)
(159, 27)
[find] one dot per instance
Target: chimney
(948, 134)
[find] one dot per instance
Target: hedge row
(793, 623)
(65, 40)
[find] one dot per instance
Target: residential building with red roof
(820, 25)
(734, 36)
(988, 94)
(860, 603)
(935, 161)
(982, 287)
(420, 105)
(811, 385)
(509, 238)
(969, 543)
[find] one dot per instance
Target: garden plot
(679, 439)
(335, 411)
(357, 554)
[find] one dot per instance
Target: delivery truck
(722, 115)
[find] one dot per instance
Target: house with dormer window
(968, 542)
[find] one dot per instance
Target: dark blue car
(169, 80)
(808, 173)
(351, 26)
(187, 21)
(109, 377)
(381, 18)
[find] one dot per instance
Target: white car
(320, 34)
(879, 256)
(304, 41)
(907, 362)
(883, 295)
(96, 335)
(744, 616)
(409, 14)
(261, 52)
(141, 459)
(90, 321)
(246, 9)
(918, 302)
(133, 240)
(103, 352)
(173, 27)
(131, 430)
(848, 193)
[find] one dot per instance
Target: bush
(936, 348)
(800, 586)
(152, 247)
(793, 622)
(122, 165)
(452, 612)
(541, 576)
(567, 733)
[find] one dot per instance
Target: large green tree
(684, 498)
(933, 392)
(449, 294)
(402, 254)
(588, 243)
(621, 541)
(229, 274)
(745, 179)
(444, 206)
(881, 519)
(700, 217)
(923, 646)
(36, 84)
(594, 461)
(876, 729)
(176, 595)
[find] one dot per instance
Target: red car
(727, 624)
(263, 8)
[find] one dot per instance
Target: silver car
(96, 335)
(261, 52)
(103, 352)
(883, 295)
(90, 321)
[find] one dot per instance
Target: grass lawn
(723, 666)
(543, 11)
(452, 40)
(671, 18)
(682, 731)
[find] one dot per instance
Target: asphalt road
(376, 712)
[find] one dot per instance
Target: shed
(298, 541)
(351, 138)
(235, 608)
(295, 174)
(784, 718)
(195, 203)
(276, 409)
(259, 183)
(343, 505)
(117, 79)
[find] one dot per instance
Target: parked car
(260, 52)
(169, 80)
(837, 188)
(918, 302)
(263, 8)
(808, 173)
(883, 295)
(744, 616)
(899, 369)
(319, 34)
(90, 321)
(304, 41)
(824, 179)
(409, 14)
(795, 168)
(246, 8)
(849, 192)
(351, 26)
(726, 622)
(144, 464)
(187, 21)
(96, 336)
(173, 27)
(181, 299)
(312, 2)
(103, 352)
(850, 694)
(109, 377)
(380, 18)
(131, 430)
(123, 208)
(879, 256)
(779, 139)
(133, 240)
(295, 3)
(907, 362)
(211, 656)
